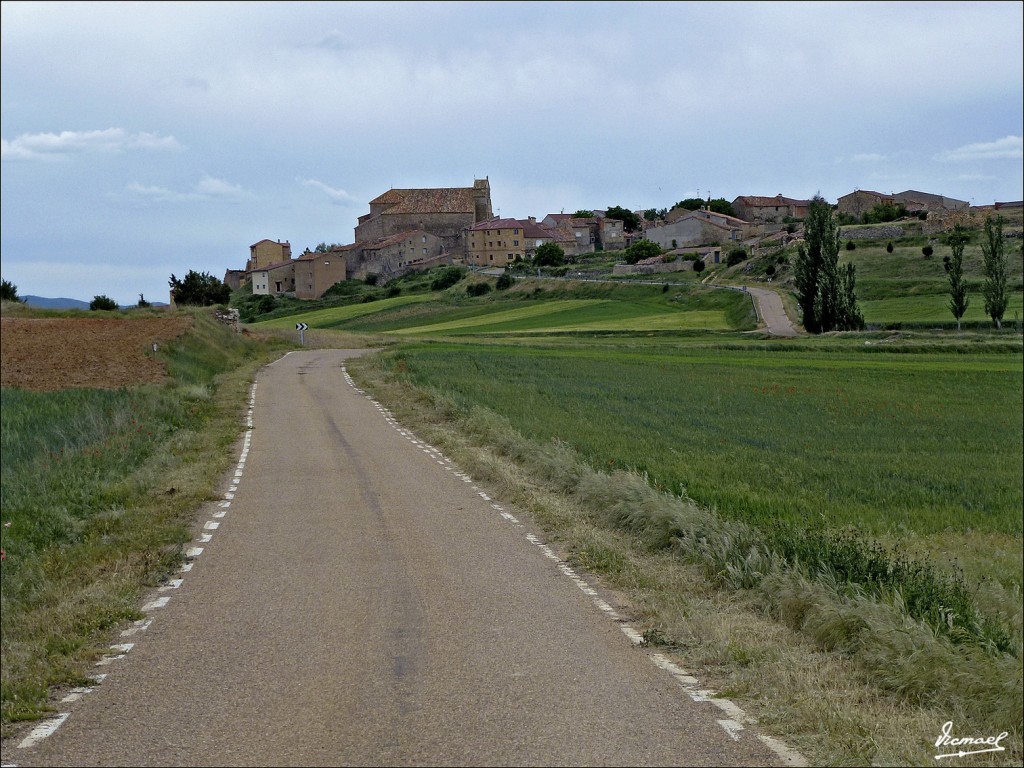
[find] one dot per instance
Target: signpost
(301, 327)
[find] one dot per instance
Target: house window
(515, 242)
(515, 231)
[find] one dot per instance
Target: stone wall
(871, 233)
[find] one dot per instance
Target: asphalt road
(772, 313)
(359, 601)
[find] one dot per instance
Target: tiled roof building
(443, 212)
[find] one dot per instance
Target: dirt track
(96, 352)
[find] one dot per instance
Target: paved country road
(360, 601)
(772, 313)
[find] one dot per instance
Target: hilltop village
(416, 229)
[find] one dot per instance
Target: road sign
(301, 326)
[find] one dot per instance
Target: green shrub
(102, 302)
(736, 255)
(446, 277)
(504, 282)
(927, 251)
(850, 245)
(888, 248)
(478, 289)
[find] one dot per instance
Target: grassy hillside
(532, 307)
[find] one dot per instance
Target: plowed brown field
(104, 353)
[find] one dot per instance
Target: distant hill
(41, 302)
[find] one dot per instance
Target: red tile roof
(496, 223)
(767, 202)
(441, 200)
(272, 267)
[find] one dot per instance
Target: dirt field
(104, 353)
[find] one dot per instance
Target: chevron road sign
(301, 327)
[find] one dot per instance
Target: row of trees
(826, 291)
(994, 267)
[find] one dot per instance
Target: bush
(394, 290)
(736, 255)
(199, 289)
(698, 265)
(371, 278)
(850, 245)
(504, 282)
(889, 248)
(447, 277)
(549, 255)
(927, 251)
(478, 289)
(9, 291)
(102, 302)
(770, 270)
(642, 249)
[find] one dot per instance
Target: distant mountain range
(41, 302)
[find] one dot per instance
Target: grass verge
(99, 490)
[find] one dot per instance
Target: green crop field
(934, 308)
(884, 442)
(532, 309)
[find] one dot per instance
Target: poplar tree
(825, 292)
(995, 270)
(958, 300)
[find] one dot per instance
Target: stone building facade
(495, 242)
(396, 255)
(443, 212)
(273, 278)
(769, 210)
(267, 252)
(698, 228)
(316, 272)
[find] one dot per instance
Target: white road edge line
(43, 730)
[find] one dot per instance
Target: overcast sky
(147, 139)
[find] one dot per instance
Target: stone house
(396, 255)
(273, 278)
(267, 252)
(698, 228)
(233, 278)
(594, 233)
(862, 201)
(315, 272)
(495, 242)
(769, 210)
(443, 212)
(915, 200)
(611, 235)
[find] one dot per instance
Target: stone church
(443, 212)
